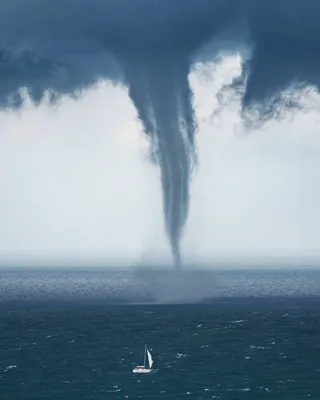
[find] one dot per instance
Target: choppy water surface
(233, 348)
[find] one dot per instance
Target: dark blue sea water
(56, 343)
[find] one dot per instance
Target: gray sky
(76, 182)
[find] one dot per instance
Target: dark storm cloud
(64, 44)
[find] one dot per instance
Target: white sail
(150, 359)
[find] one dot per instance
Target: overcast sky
(77, 186)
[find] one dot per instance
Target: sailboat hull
(141, 370)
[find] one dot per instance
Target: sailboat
(142, 369)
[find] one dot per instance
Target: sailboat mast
(145, 352)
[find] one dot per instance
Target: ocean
(60, 344)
